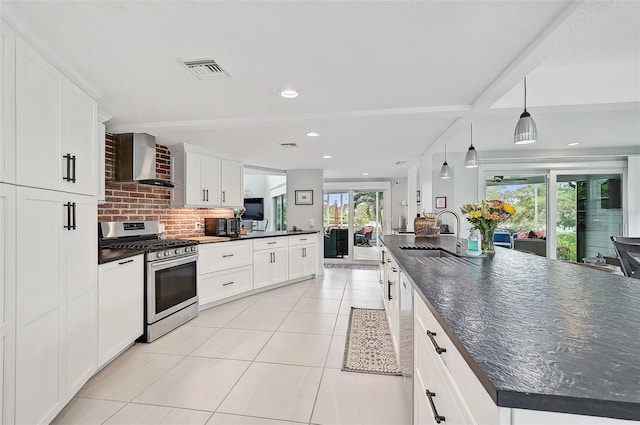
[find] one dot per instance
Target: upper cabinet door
(55, 128)
(38, 120)
(211, 181)
(7, 104)
(195, 193)
(79, 121)
(232, 183)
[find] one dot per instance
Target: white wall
(633, 196)
(299, 215)
(398, 197)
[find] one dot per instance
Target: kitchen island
(538, 334)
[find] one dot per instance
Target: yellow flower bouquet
(485, 216)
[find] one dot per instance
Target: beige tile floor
(271, 358)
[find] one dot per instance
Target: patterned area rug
(369, 348)
(352, 266)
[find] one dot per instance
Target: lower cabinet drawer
(270, 243)
(220, 285)
(436, 396)
(223, 256)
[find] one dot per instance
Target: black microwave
(222, 226)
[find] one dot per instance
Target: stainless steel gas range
(171, 273)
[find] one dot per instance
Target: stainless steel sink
(421, 253)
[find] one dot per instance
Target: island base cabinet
(120, 306)
(447, 371)
(224, 284)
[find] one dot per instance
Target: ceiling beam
(577, 14)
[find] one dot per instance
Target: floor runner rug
(369, 348)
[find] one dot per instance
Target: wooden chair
(628, 250)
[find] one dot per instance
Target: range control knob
(178, 251)
(158, 255)
(167, 253)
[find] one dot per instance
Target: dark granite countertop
(273, 234)
(107, 255)
(539, 334)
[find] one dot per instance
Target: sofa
(336, 243)
(533, 246)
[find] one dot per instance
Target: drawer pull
(437, 417)
(125, 262)
(439, 349)
(271, 243)
(393, 269)
(228, 283)
(227, 255)
(304, 239)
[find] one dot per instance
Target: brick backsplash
(139, 202)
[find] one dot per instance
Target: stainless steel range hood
(135, 159)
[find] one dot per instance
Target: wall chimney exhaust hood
(135, 159)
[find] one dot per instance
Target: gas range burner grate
(154, 244)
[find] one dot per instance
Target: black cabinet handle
(439, 350)
(73, 160)
(228, 283)
(393, 269)
(389, 289)
(227, 255)
(68, 176)
(67, 205)
(224, 196)
(125, 262)
(271, 243)
(304, 254)
(73, 205)
(207, 195)
(437, 417)
(303, 239)
(203, 195)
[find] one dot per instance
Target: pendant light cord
(525, 94)
(471, 134)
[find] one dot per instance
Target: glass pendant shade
(471, 160)
(526, 131)
(445, 171)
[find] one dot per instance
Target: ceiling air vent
(204, 68)
(288, 145)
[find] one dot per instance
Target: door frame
(378, 186)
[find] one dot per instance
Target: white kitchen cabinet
(204, 179)
(232, 183)
(120, 306)
(224, 270)
(393, 302)
(56, 299)
(440, 368)
(302, 255)
(7, 297)
(224, 284)
(56, 147)
(215, 257)
(7, 104)
(270, 261)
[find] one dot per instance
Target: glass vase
(486, 241)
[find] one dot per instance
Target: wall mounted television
(254, 209)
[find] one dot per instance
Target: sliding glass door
(575, 212)
(368, 207)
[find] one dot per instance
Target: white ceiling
(381, 82)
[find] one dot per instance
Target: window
(280, 208)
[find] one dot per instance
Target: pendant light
(445, 171)
(471, 160)
(526, 131)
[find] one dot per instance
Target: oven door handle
(165, 264)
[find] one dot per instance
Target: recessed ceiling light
(288, 93)
(326, 157)
(365, 174)
(313, 134)
(573, 144)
